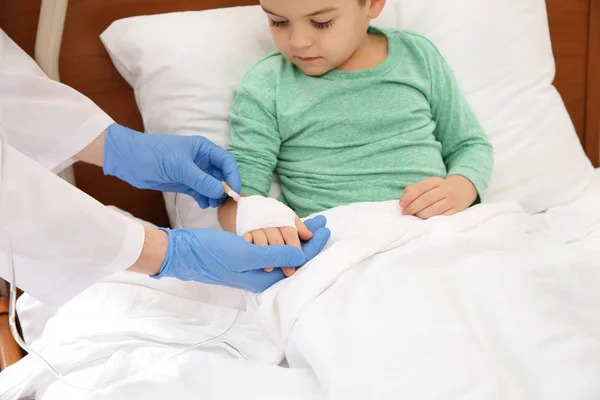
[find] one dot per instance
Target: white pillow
(184, 68)
(501, 55)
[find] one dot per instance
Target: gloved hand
(222, 258)
(183, 164)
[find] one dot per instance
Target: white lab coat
(63, 240)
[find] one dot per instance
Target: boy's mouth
(307, 59)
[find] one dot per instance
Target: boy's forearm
(227, 214)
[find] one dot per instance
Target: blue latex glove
(222, 258)
(321, 235)
(183, 164)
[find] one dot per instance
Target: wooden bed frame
(85, 65)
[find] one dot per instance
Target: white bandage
(257, 212)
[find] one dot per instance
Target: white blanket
(490, 304)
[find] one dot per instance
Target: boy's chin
(314, 70)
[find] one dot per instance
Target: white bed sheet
(491, 304)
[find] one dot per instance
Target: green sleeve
(254, 139)
(466, 149)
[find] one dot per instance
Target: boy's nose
(300, 39)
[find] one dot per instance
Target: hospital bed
(85, 65)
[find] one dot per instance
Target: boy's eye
(277, 24)
(322, 25)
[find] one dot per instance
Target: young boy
(346, 113)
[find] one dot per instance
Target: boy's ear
(375, 8)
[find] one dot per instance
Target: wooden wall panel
(569, 30)
(10, 352)
(592, 129)
(19, 18)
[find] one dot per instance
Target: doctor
(63, 240)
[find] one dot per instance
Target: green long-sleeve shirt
(356, 136)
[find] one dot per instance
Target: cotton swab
(230, 192)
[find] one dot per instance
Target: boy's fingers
(274, 236)
(248, 237)
(303, 232)
(435, 209)
(412, 192)
(409, 195)
(430, 183)
(424, 201)
(290, 236)
(260, 238)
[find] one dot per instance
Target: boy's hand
(285, 235)
(437, 196)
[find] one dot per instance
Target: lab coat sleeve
(44, 119)
(62, 239)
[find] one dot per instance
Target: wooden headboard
(85, 65)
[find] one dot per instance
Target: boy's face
(320, 35)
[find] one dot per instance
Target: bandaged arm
(254, 141)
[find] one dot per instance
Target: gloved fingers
(202, 201)
(117, 147)
(234, 180)
(258, 257)
(302, 231)
(226, 163)
(203, 183)
(316, 223)
(258, 281)
(218, 175)
(314, 246)
(214, 203)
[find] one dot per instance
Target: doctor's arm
(93, 153)
(191, 165)
(63, 241)
(56, 125)
(153, 253)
